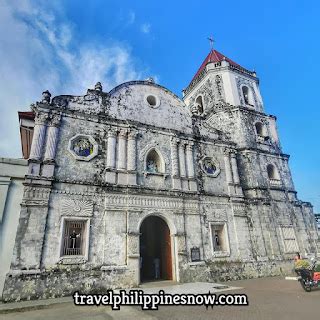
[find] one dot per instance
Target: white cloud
(38, 53)
(131, 17)
(145, 28)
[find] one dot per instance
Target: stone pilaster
(37, 143)
(122, 157)
(182, 159)
(38, 136)
(111, 151)
(182, 165)
(190, 167)
(228, 166)
(235, 173)
(176, 182)
(132, 157)
(52, 138)
(132, 151)
(111, 156)
(234, 166)
(189, 155)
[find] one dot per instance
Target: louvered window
(289, 239)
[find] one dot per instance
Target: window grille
(73, 238)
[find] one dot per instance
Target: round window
(152, 101)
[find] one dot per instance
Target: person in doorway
(156, 264)
(297, 257)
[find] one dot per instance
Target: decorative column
(122, 157)
(53, 131)
(111, 149)
(50, 153)
(38, 136)
(228, 166)
(174, 156)
(234, 167)
(190, 165)
(132, 157)
(176, 182)
(182, 166)
(132, 151)
(182, 159)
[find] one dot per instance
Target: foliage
(301, 264)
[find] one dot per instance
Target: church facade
(137, 184)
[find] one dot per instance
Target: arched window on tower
(154, 162)
(247, 96)
(199, 104)
(261, 132)
(273, 175)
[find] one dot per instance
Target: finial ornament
(98, 87)
(150, 79)
(46, 95)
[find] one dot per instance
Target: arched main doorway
(155, 250)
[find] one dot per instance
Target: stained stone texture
(113, 192)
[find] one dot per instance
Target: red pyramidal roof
(213, 56)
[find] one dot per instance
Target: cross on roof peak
(211, 40)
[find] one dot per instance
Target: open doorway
(155, 250)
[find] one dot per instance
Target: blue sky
(67, 46)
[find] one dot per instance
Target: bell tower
(222, 87)
(230, 82)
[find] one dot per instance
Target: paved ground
(269, 298)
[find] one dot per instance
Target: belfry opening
(155, 250)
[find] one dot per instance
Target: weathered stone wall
(235, 270)
(113, 192)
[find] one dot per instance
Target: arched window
(273, 173)
(154, 163)
(247, 96)
(199, 104)
(260, 129)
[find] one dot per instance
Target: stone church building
(136, 184)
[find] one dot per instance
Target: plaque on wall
(195, 254)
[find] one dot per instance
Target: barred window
(289, 239)
(73, 237)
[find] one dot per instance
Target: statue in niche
(216, 239)
(152, 166)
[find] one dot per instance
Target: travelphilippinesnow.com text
(153, 301)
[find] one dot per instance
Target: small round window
(152, 101)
